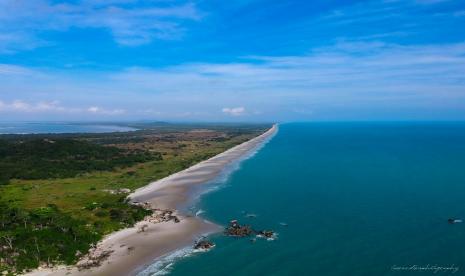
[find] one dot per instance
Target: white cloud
(23, 106)
(20, 106)
(21, 21)
(234, 111)
(98, 110)
(93, 109)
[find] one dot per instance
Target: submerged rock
(266, 233)
(250, 215)
(454, 220)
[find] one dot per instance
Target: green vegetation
(46, 235)
(49, 217)
(44, 158)
(41, 235)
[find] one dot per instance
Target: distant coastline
(61, 127)
(132, 249)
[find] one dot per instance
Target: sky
(236, 60)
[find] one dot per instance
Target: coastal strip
(130, 250)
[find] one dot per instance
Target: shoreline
(132, 250)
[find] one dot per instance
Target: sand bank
(132, 249)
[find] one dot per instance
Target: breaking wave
(199, 212)
(164, 265)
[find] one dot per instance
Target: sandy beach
(131, 249)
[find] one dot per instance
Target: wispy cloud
(23, 21)
(55, 107)
(16, 71)
(352, 67)
(430, 2)
(374, 77)
(23, 106)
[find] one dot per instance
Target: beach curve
(131, 249)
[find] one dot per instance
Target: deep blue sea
(358, 198)
(58, 127)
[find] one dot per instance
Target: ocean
(58, 127)
(345, 199)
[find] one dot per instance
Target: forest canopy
(62, 158)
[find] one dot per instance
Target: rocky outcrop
(236, 230)
(94, 258)
(203, 245)
(160, 215)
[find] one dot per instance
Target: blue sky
(243, 60)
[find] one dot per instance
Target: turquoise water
(358, 198)
(52, 127)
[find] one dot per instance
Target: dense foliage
(43, 158)
(43, 235)
(49, 236)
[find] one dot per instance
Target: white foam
(220, 181)
(272, 238)
(203, 250)
(199, 212)
(241, 150)
(164, 265)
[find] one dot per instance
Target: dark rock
(454, 220)
(237, 230)
(266, 233)
(203, 245)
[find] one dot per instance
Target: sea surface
(357, 198)
(58, 127)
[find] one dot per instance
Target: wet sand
(132, 249)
